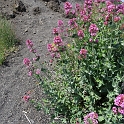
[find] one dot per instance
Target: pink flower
(86, 18)
(111, 8)
(26, 98)
(105, 23)
(116, 19)
(82, 12)
(80, 34)
(67, 11)
(38, 71)
(119, 100)
(92, 117)
(77, 7)
(93, 29)
(60, 23)
(26, 61)
(114, 109)
(72, 23)
(96, 41)
(121, 110)
(107, 17)
(67, 6)
(53, 55)
(51, 61)
(33, 50)
(55, 31)
(51, 48)
(29, 44)
(83, 51)
(30, 73)
(58, 55)
(57, 40)
(90, 40)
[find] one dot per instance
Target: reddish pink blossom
(67, 11)
(26, 98)
(119, 100)
(105, 23)
(90, 40)
(55, 31)
(30, 73)
(72, 23)
(51, 48)
(57, 40)
(117, 18)
(80, 34)
(51, 60)
(58, 55)
(29, 44)
(93, 29)
(77, 7)
(92, 117)
(83, 52)
(96, 41)
(60, 23)
(67, 6)
(107, 17)
(53, 55)
(86, 18)
(82, 12)
(38, 71)
(33, 50)
(114, 109)
(26, 61)
(120, 8)
(121, 110)
(111, 8)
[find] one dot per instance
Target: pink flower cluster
(80, 34)
(112, 10)
(30, 46)
(120, 8)
(93, 29)
(28, 62)
(26, 98)
(91, 117)
(72, 23)
(59, 29)
(119, 102)
(67, 7)
(83, 53)
(57, 41)
(56, 47)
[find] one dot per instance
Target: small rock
(40, 21)
(54, 5)
(36, 10)
(34, 32)
(19, 6)
(26, 30)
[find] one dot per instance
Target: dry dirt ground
(34, 21)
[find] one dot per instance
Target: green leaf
(101, 118)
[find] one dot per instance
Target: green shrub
(88, 69)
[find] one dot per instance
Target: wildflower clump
(119, 103)
(88, 64)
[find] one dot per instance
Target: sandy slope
(14, 82)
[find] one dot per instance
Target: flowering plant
(88, 64)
